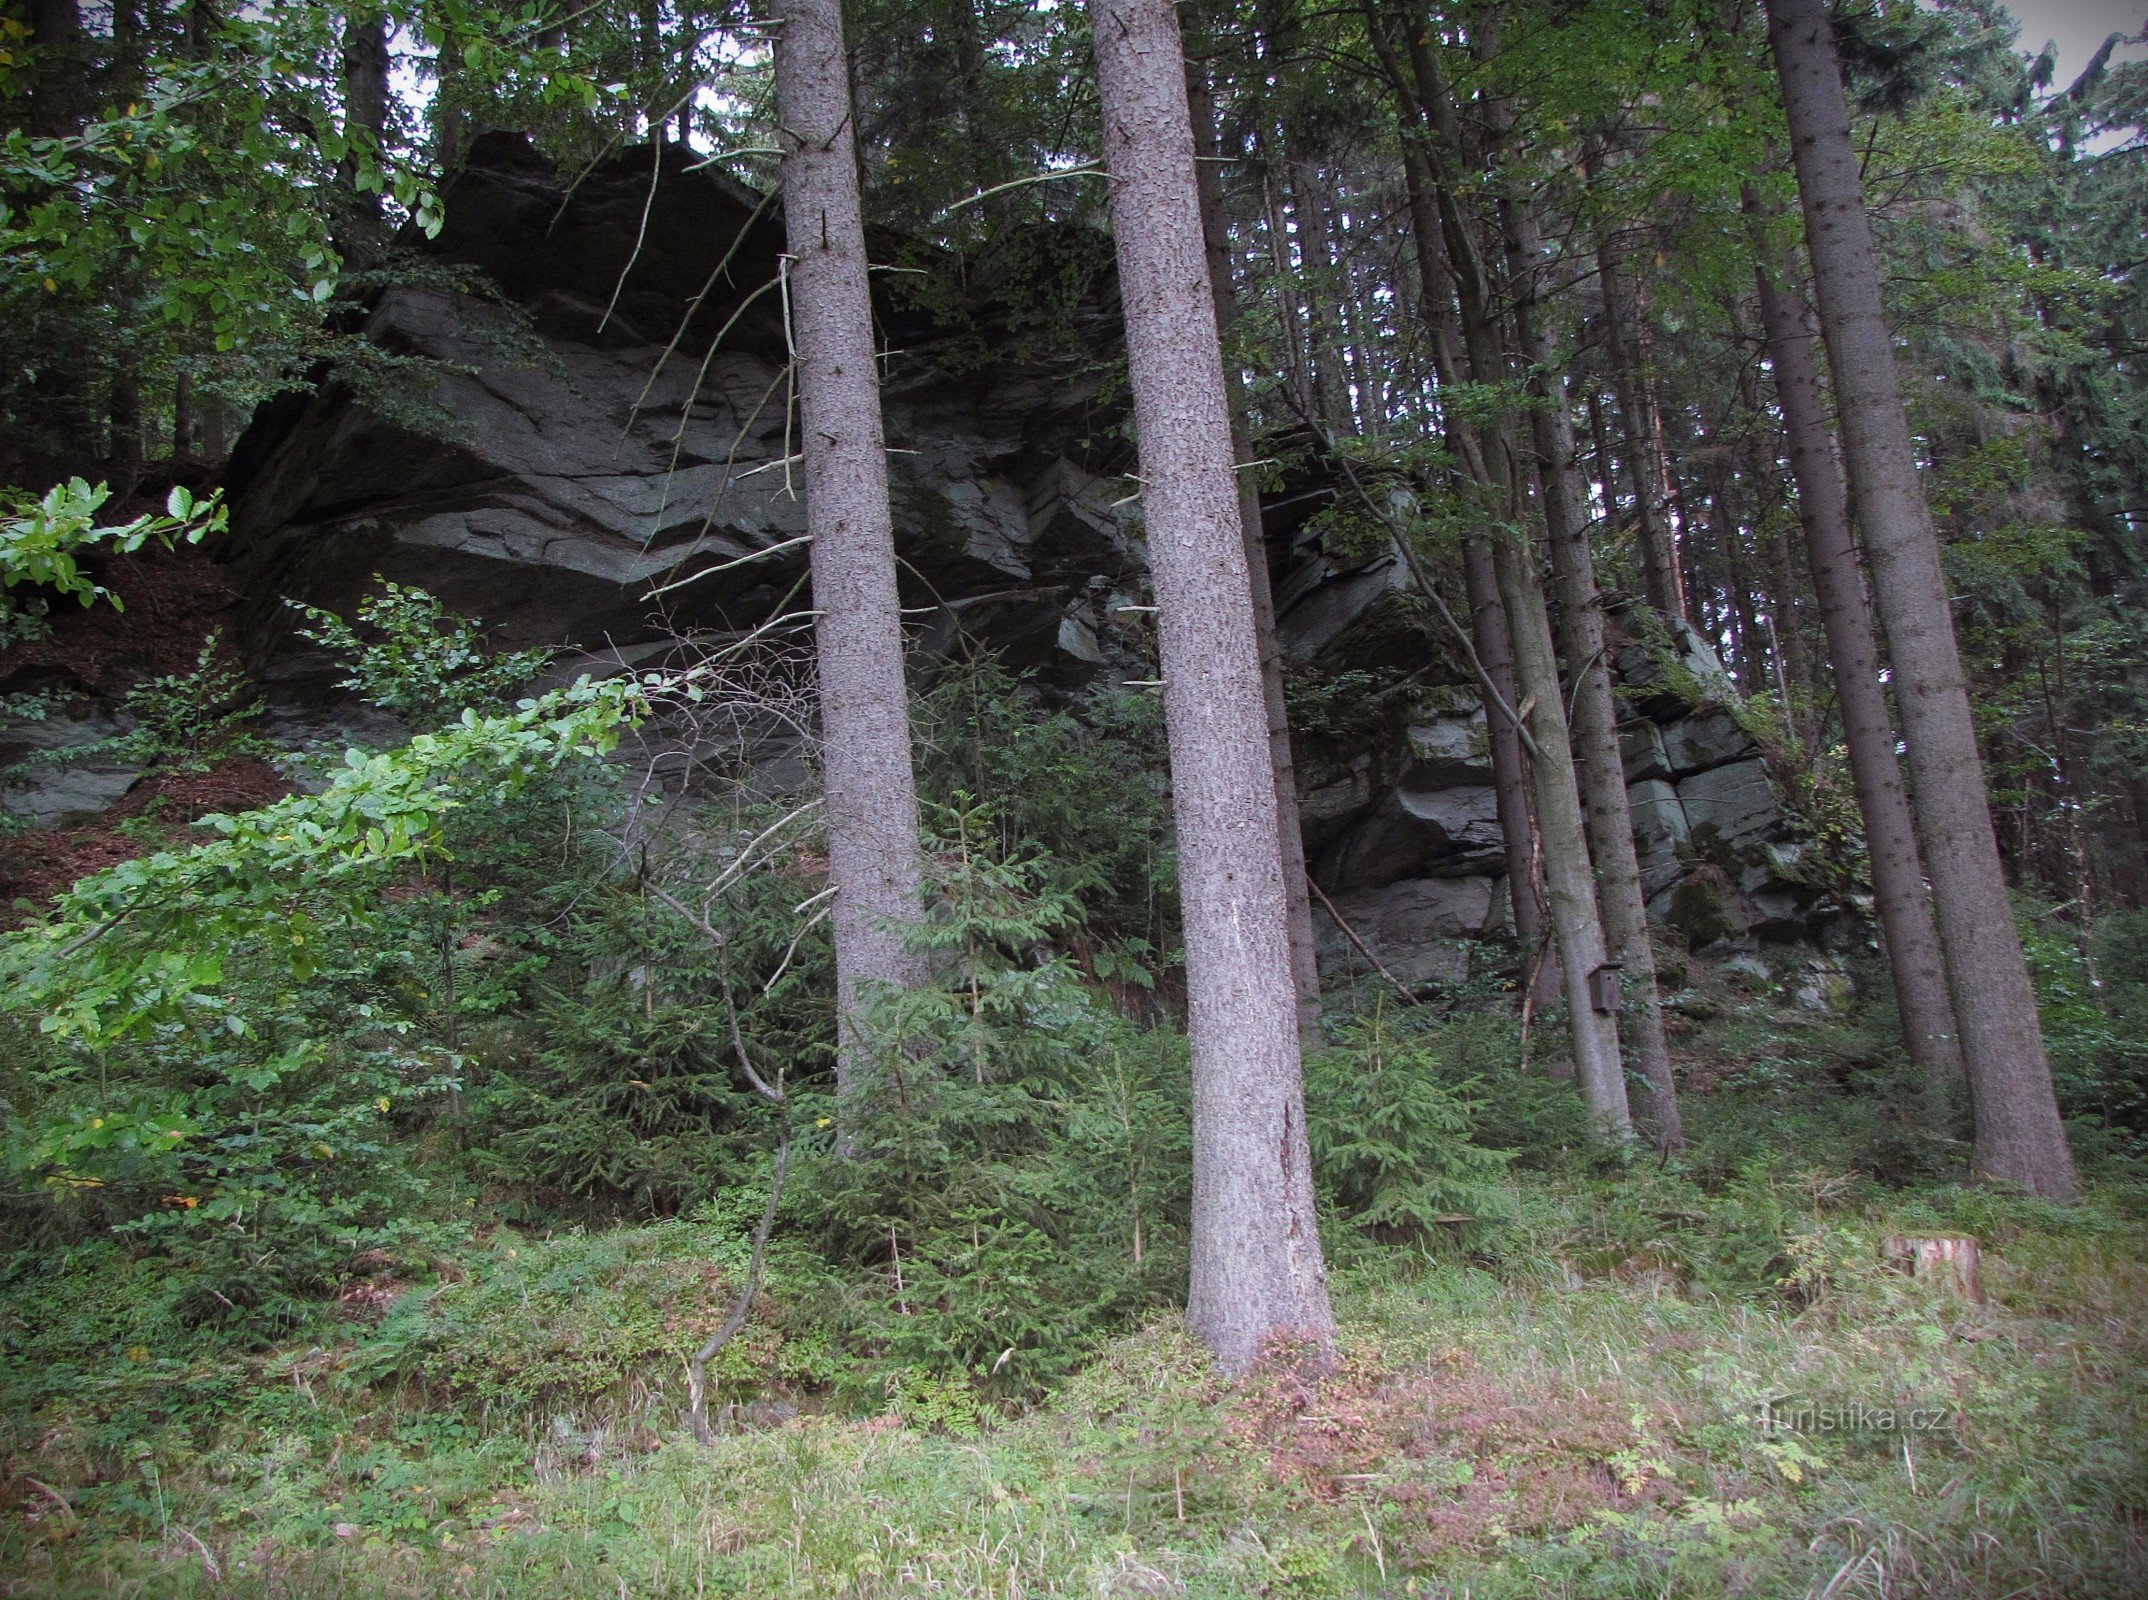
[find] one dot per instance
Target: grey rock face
(603, 491)
(605, 495)
(1737, 801)
(1412, 926)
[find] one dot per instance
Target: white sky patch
(2078, 27)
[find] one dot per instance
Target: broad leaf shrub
(211, 1050)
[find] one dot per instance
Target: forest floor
(1580, 1416)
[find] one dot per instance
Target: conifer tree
(2019, 1137)
(873, 853)
(1257, 1268)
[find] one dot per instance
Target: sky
(2079, 26)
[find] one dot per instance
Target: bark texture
(1567, 876)
(1660, 571)
(1599, 763)
(1904, 905)
(873, 856)
(2019, 1137)
(1487, 612)
(1257, 1272)
(1304, 963)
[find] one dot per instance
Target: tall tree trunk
(1902, 901)
(125, 413)
(1487, 612)
(1510, 769)
(2019, 1137)
(1662, 582)
(1331, 395)
(1215, 234)
(365, 115)
(1597, 756)
(1567, 871)
(873, 853)
(1257, 1271)
(1568, 877)
(59, 90)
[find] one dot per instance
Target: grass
(1572, 1415)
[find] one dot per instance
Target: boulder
(42, 791)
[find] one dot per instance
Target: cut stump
(1952, 1261)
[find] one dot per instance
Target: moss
(1700, 908)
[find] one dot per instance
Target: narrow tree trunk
(1660, 576)
(1568, 883)
(2019, 1136)
(873, 853)
(1510, 771)
(1902, 902)
(365, 124)
(1567, 874)
(1257, 1272)
(1487, 612)
(1597, 756)
(1749, 674)
(125, 412)
(1331, 396)
(1304, 965)
(59, 91)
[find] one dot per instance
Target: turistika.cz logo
(1790, 1414)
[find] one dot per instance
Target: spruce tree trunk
(59, 91)
(1569, 886)
(1661, 578)
(1487, 612)
(1601, 764)
(1567, 874)
(1903, 904)
(1215, 236)
(1510, 769)
(873, 854)
(1257, 1272)
(183, 418)
(2019, 1137)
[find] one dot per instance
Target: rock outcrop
(626, 478)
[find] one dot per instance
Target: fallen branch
(1364, 949)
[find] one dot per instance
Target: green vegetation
(374, 1162)
(367, 1257)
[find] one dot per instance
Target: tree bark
(183, 418)
(1487, 612)
(873, 854)
(1661, 579)
(1510, 770)
(1567, 872)
(365, 109)
(1597, 757)
(1215, 234)
(1257, 1272)
(1903, 903)
(59, 88)
(2019, 1136)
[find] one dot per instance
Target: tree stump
(1951, 1261)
